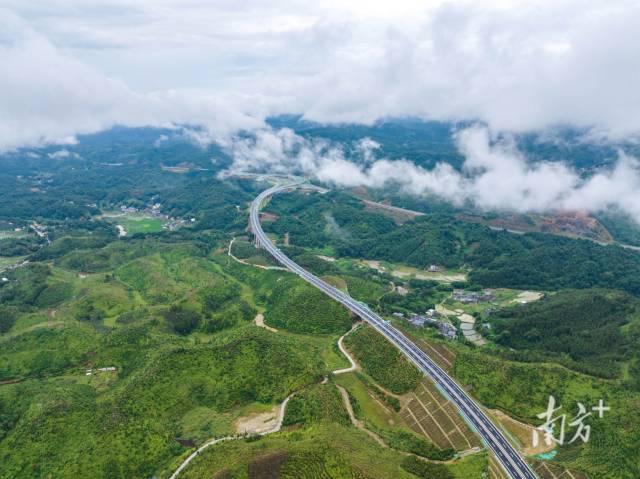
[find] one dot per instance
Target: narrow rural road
(214, 441)
(344, 351)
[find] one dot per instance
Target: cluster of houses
(472, 297)
(448, 330)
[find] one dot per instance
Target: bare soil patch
(259, 321)
(257, 422)
(522, 432)
(528, 296)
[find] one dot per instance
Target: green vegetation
(322, 444)
(591, 331)
(425, 470)
(422, 295)
(472, 466)
(301, 308)
(318, 403)
(19, 245)
(246, 251)
(522, 390)
(497, 258)
(8, 316)
(365, 406)
(368, 290)
(34, 286)
(170, 311)
(134, 224)
(182, 320)
(323, 450)
(137, 416)
(382, 361)
(409, 442)
(621, 226)
(390, 401)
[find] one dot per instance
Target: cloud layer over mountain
(495, 175)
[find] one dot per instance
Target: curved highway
(505, 453)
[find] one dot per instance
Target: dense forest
(592, 331)
(496, 258)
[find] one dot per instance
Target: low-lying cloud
(494, 175)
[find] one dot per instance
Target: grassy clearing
(370, 408)
(475, 465)
(246, 251)
(406, 272)
(336, 282)
(8, 261)
(136, 223)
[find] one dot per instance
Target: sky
(80, 66)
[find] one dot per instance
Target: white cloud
(48, 96)
(495, 175)
(81, 65)
(64, 153)
(161, 139)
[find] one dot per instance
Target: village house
(472, 297)
(448, 330)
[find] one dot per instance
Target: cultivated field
(428, 413)
(4, 234)
(545, 470)
(495, 469)
(441, 354)
(408, 272)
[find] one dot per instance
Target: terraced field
(442, 355)
(495, 471)
(547, 471)
(428, 413)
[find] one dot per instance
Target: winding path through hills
(344, 351)
(277, 426)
